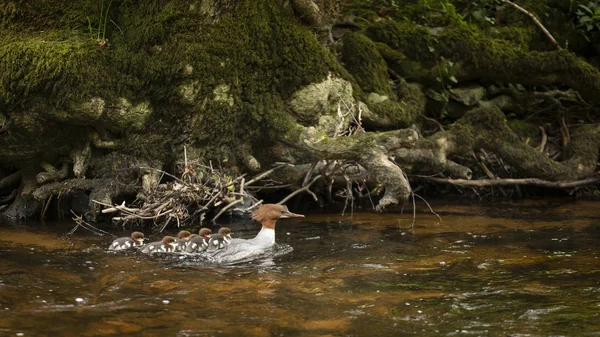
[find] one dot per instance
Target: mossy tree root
(369, 150)
(52, 174)
(104, 190)
(486, 128)
(24, 205)
(11, 180)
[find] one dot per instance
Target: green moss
(403, 113)
(524, 130)
(156, 48)
(410, 39)
(363, 60)
(518, 36)
(53, 62)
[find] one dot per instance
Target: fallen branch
(512, 182)
(266, 173)
(544, 139)
(81, 223)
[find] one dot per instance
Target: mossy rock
(399, 114)
(127, 116)
(312, 102)
(362, 59)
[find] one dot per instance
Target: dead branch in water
(85, 225)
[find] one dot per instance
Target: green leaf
(431, 49)
(453, 79)
(587, 9)
(585, 19)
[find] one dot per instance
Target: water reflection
(502, 270)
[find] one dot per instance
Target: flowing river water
(514, 269)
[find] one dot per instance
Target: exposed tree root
(10, 181)
(52, 174)
(100, 189)
(486, 128)
(513, 182)
(370, 150)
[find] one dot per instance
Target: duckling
(182, 240)
(135, 240)
(219, 240)
(198, 243)
(167, 244)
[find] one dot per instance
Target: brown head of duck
(268, 214)
(205, 232)
(225, 231)
(183, 235)
(168, 241)
(138, 237)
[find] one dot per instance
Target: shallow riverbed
(518, 269)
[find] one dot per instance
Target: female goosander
(240, 249)
(182, 240)
(219, 240)
(200, 242)
(167, 244)
(135, 240)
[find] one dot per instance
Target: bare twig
(484, 167)
(428, 205)
(224, 209)
(267, 173)
(412, 225)
(305, 188)
(81, 223)
(544, 139)
(536, 21)
(309, 173)
(46, 205)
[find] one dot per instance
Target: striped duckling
(220, 240)
(182, 240)
(199, 243)
(167, 244)
(135, 240)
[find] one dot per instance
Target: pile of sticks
(187, 199)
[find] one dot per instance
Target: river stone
(124, 116)
(314, 100)
(469, 96)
